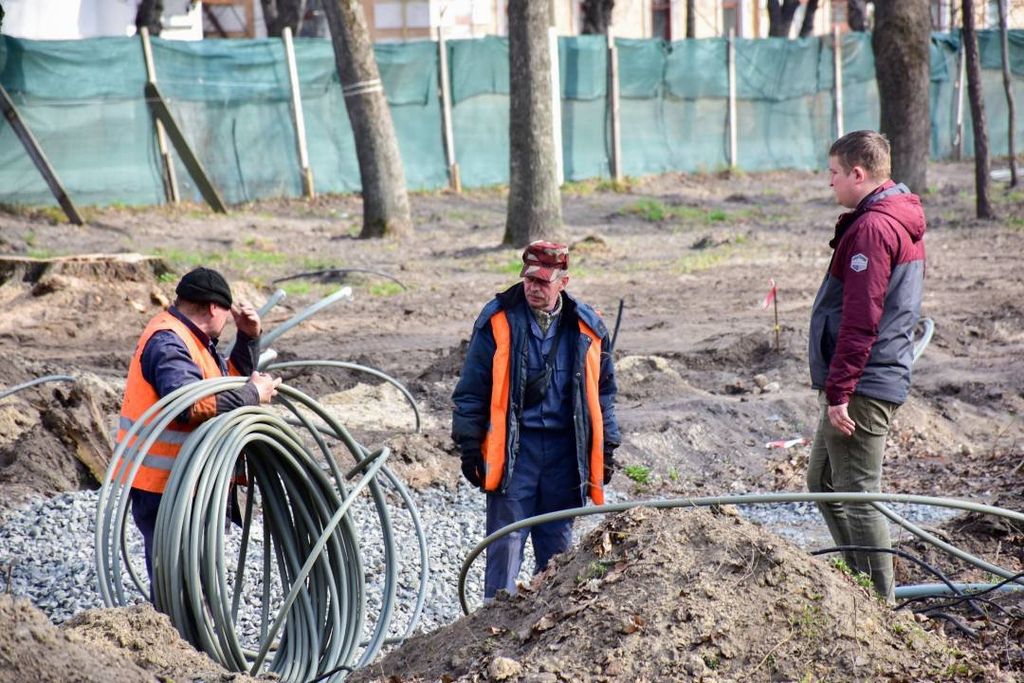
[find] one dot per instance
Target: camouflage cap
(545, 260)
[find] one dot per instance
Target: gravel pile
(46, 552)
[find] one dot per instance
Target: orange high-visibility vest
(140, 396)
(495, 442)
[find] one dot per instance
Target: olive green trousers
(841, 463)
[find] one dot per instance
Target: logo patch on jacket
(859, 263)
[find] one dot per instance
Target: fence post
(958, 102)
(35, 153)
(613, 108)
(731, 60)
(837, 66)
(556, 105)
(305, 172)
(170, 178)
(454, 180)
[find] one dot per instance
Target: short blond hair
(865, 148)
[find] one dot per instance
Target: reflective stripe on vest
(495, 442)
(140, 396)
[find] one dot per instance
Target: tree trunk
(900, 42)
(807, 27)
(148, 15)
(780, 17)
(280, 13)
(982, 166)
(385, 201)
(691, 18)
(597, 16)
(857, 15)
(534, 198)
(1008, 84)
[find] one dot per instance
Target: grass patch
(585, 188)
(860, 578)
(657, 211)
(297, 287)
(641, 474)
(385, 289)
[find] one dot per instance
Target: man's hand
(265, 384)
(840, 419)
(472, 467)
(609, 467)
(247, 320)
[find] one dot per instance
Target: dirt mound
(56, 438)
(421, 460)
(681, 595)
(124, 645)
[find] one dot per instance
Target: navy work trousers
(545, 478)
(145, 505)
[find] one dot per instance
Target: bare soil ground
(702, 386)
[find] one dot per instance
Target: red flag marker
(770, 296)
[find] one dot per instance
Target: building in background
(404, 20)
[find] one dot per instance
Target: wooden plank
(731, 66)
(958, 102)
(195, 168)
(297, 116)
(454, 180)
(837, 66)
(170, 178)
(613, 108)
(556, 105)
(35, 152)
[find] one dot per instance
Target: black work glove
(609, 466)
(472, 466)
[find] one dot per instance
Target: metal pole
(961, 76)
(170, 178)
(731, 59)
(35, 152)
(454, 180)
(556, 104)
(837, 65)
(613, 108)
(305, 172)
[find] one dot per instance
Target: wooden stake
(35, 152)
(454, 181)
(556, 105)
(613, 108)
(775, 301)
(163, 115)
(837, 66)
(958, 99)
(170, 178)
(731, 62)
(305, 173)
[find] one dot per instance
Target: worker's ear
(859, 174)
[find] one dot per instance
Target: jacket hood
(902, 205)
(891, 199)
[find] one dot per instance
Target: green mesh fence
(83, 100)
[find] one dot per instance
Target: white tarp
(73, 19)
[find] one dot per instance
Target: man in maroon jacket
(860, 343)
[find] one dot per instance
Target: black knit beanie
(204, 285)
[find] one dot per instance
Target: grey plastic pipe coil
(41, 380)
(921, 343)
(308, 535)
(358, 368)
(268, 337)
(746, 499)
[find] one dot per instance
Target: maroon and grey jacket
(862, 323)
